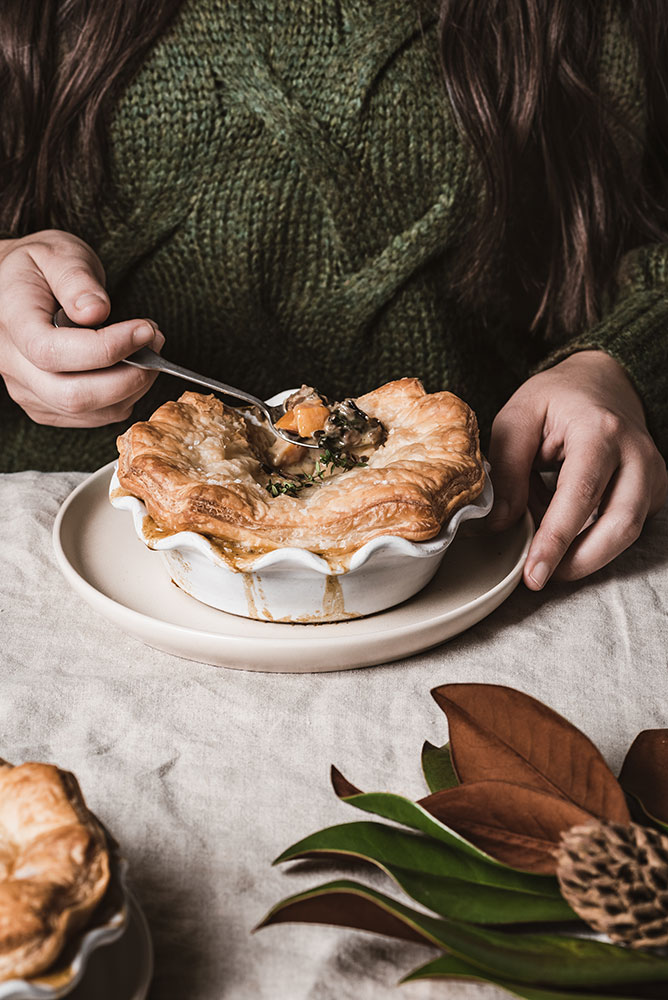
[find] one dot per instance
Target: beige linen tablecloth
(204, 774)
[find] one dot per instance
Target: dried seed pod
(615, 877)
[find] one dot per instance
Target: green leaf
(449, 967)
(437, 767)
(449, 882)
(534, 959)
(478, 903)
(408, 813)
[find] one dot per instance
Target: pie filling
(346, 434)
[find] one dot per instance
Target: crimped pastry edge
(213, 511)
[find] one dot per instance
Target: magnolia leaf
(498, 733)
(478, 904)
(388, 844)
(449, 967)
(646, 819)
(343, 788)
(437, 767)
(450, 883)
(644, 774)
(515, 824)
(536, 959)
(408, 813)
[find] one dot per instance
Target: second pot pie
(199, 465)
(54, 866)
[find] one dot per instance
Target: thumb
(75, 277)
(516, 437)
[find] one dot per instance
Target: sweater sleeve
(633, 329)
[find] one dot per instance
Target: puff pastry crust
(197, 466)
(54, 866)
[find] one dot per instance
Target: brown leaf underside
(498, 733)
(644, 772)
(516, 824)
(341, 785)
(344, 909)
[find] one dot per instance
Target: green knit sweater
(289, 190)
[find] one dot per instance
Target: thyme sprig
(325, 462)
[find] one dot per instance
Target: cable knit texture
(288, 191)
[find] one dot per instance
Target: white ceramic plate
(104, 561)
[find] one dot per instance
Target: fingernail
(142, 335)
(500, 513)
(88, 300)
(540, 574)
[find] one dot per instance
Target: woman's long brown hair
(62, 62)
(522, 77)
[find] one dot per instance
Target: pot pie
(396, 461)
(54, 866)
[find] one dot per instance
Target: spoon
(149, 360)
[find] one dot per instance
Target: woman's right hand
(66, 377)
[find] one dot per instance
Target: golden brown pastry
(54, 866)
(198, 465)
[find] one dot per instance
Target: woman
(343, 193)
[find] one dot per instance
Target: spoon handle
(146, 358)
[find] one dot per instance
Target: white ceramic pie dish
(108, 923)
(295, 585)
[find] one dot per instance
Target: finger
(115, 414)
(79, 393)
(585, 473)
(41, 413)
(69, 349)
(621, 519)
(99, 418)
(659, 492)
(516, 437)
(75, 276)
(539, 496)
(28, 308)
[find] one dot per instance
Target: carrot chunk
(288, 422)
(310, 419)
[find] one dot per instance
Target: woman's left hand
(584, 417)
